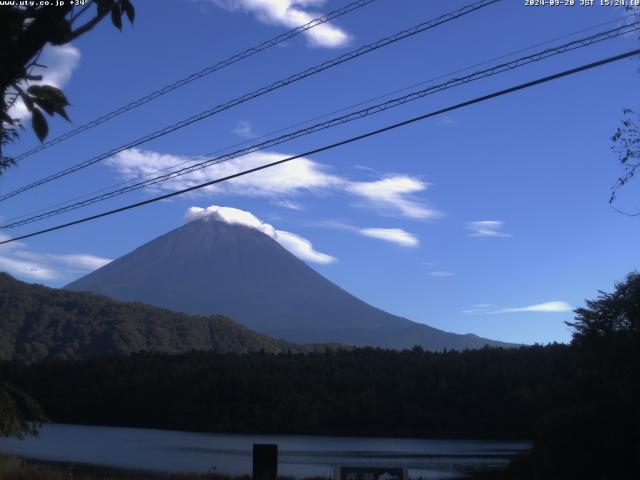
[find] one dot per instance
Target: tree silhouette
(20, 415)
(626, 141)
(611, 314)
(24, 32)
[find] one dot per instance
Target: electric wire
(347, 141)
(196, 76)
(448, 17)
(319, 117)
(374, 109)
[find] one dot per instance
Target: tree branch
(81, 12)
(86, 27)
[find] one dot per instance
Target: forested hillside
(37, 322)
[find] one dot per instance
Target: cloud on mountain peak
(297, 245)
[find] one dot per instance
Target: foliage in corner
(20, 415)
(626, 142)
(24, 32)
(611, 314)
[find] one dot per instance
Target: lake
(299, 456)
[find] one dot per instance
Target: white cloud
(289, 204)
(17, 260)
(61, 61)
(297, 245)
(487, 228)
(442, 273)
(291, 14)
(302, 248)
(9, 246)
(392, 194)
(27, 269)
(546, 307)
(393, 235)
(395, 192)
(244, 130)
(82, 261)
(75, 261)
(230, 215)
(285, 179)
(445, 121)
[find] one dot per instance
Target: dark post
(265, 461)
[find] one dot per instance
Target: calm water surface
(299, 456)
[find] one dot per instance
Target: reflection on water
(299, 456)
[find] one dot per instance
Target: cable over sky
(340, 120)
(196, 76)
(384, 42)
(484, 98)
(89, 196)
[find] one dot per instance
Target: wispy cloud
(397, 236)
(17, 260)
(297, 245)
(392, 235)
(288, 204)
(546, 307)
(445, 121)
(74, 261)
(244, 129)
(393, 194)
(396, 193)
(302, 248)
(286, 179)
(487, 228)
(441, 273)
(291, 14)
(22, 268)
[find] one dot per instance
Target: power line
(381, 107)
(196, 76)
(372, 133)
(269, 88)
(325, 115)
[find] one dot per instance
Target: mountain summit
(221, 265)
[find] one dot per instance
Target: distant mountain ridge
(37, 322)
(211, 266)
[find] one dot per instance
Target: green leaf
(63, 114)
(52, 94)
(28, 102)
(39, 124)
(44, 105)
(103, 6)
(127, 8)
(50, 99)
(116, 17)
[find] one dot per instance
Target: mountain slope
(211, 266)
(38, 322)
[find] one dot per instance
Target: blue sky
(492, 220)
